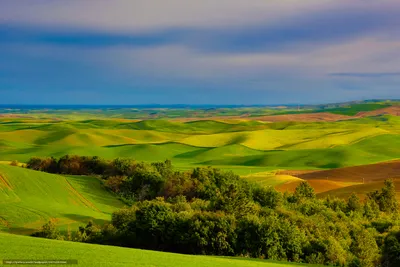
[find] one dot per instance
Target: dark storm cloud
(236, 50)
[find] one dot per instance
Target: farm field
(244, 145)
(334, 111)
(28, 199)
(207, 133)
(336, 158)
(23, 247)
(340, 182)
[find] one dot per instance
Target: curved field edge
(370, 150)
(23, 247)
(28, 199)
(341, 182)
(308, 145)
(360, 189)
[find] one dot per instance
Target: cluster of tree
(137, 181)
(69, 164)
(208, 211)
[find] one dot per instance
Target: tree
(267, 197)
(364, 247)
(391, 250)
(304, 190)
(145, 181)
(386, 199)
(49, 230)
(212, 233)
(354, 204)
(371, 209)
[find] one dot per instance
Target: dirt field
(394, 110)
(358, 174)
(306, 117)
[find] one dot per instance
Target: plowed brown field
(370, 173)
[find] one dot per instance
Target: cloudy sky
(198, 52)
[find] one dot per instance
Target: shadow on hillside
(84, 219)
(22, 230)
(92, 188)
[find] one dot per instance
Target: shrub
(49, 230)
(14, 163)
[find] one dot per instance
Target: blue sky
(198, 52)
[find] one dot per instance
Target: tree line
(212, 212)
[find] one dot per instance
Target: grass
(227, 144)
(28, 199)
(271, 179)
(22, 247)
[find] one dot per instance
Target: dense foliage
(208, 211)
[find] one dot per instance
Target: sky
(237, 52)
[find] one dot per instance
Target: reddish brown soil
(307, 117)
(364, 173)
(394, 110)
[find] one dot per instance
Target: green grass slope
(243, 143)
(28, 199)
(88, 255)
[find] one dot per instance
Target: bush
(14, 163)
(304, 190)
(391, 250)
(364, 247)
(49, 230)
(386, 199)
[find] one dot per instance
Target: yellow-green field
(249, 146)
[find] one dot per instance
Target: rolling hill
(229, 143)
(28, 199)
(360, 189)
(341, 182)
(366, 173)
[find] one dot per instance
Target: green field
(256, 150)
(28, 248)
(28, 199)
(247, 146)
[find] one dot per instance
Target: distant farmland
(228, 144)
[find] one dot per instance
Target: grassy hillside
(22, 247)
(28, 199)
(243, 143)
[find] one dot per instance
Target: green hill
(28, 199)
(240, 143)
(29, 248)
